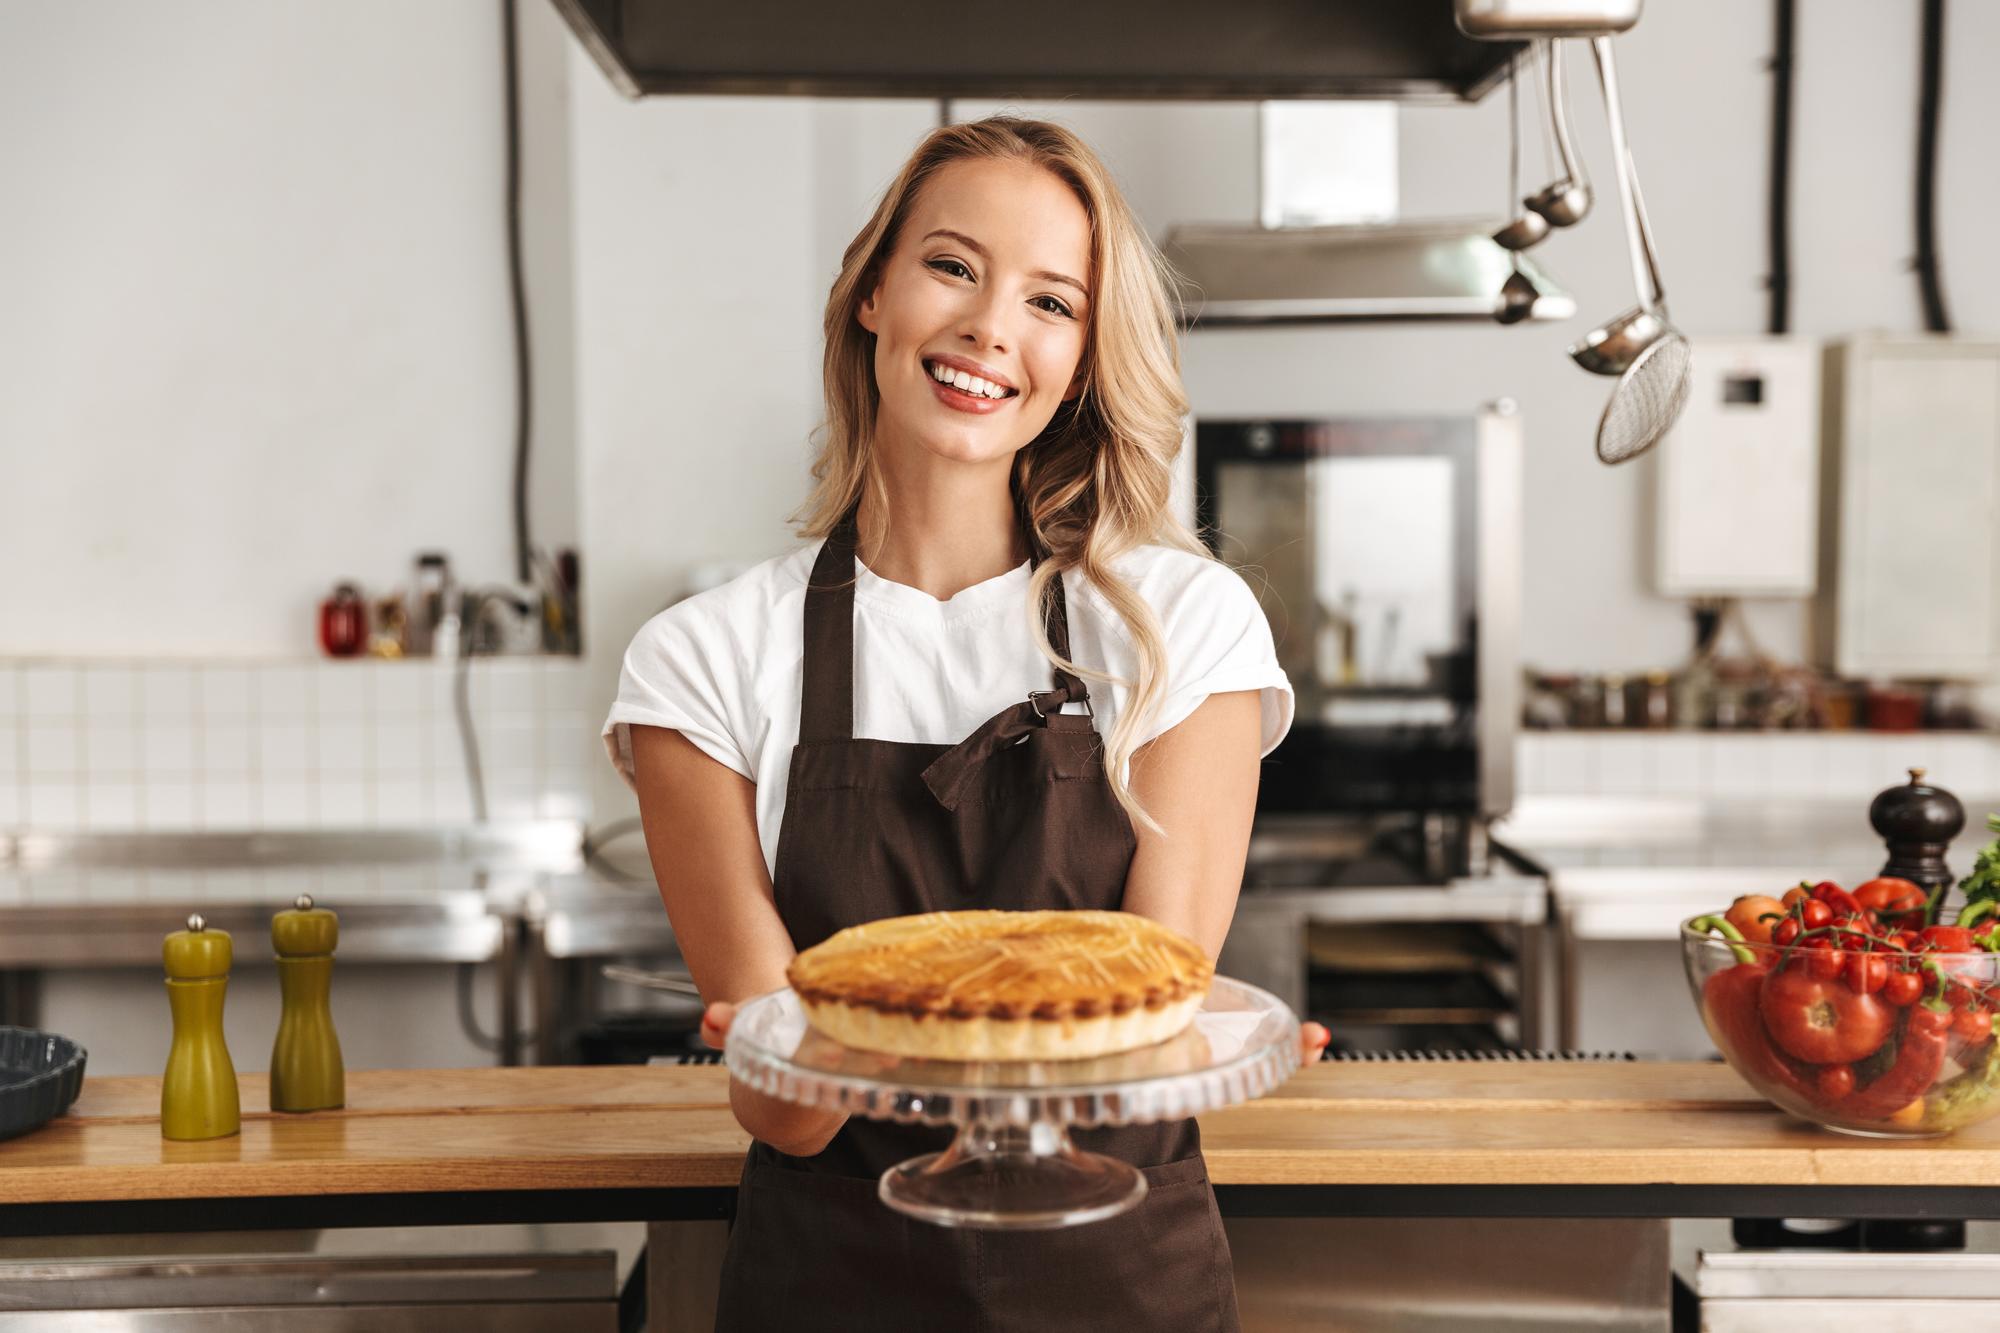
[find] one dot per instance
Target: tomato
(1826, 891)
(1973, 1025)
(1925, 1020)
(1834, 1081)
(1786, 931)
(1949, 939)
(1902, 989)
(1747, 915)
(1822, 958)
(1816, 914)
(1821, 1021)
(1798, 895)
(1867, 972)
(1890, 894)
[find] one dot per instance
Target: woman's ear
(867, 314)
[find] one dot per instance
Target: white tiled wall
(232, 745)
(1774, 765)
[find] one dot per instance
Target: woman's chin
(968, 446)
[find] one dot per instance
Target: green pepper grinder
(198, 1098)
(306, 1072)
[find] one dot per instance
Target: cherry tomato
(1821, 1021)
(1816, 914)
(1867, 972)
(1822, 958)
(1786, 931)
(1902, 988)
(1973, 1025)
(1834, 1081)
(1798, 895)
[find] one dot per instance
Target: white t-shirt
(725, 667)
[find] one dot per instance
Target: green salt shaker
(306, 1070)
(198, 1098)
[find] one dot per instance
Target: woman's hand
(715, 1021)
(1313, 1038)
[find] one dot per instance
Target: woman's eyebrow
(1046, 275)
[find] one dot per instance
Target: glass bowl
(1825, 1038)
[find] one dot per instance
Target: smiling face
(981, 312)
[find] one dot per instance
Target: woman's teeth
(972, 384)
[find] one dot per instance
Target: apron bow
(950, 776)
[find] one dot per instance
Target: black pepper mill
(1918, 822)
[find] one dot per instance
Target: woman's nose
(985, 323)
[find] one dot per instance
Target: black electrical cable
(1930, 97)
(1784, 45)
(517, 293)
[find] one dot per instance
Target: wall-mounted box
(1738, 497)
(1910, 563)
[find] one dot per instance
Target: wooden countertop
(635, 1127)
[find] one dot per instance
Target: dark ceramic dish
(40, 1075)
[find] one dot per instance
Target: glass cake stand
(1012, 1165)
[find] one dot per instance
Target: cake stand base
(1010, 1178)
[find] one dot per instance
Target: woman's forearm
(798, 1131)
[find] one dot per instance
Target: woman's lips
(954, 397)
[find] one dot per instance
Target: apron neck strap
(826, 708)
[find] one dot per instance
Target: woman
(814, 744)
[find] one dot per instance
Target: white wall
(256, 331)
(256, 324)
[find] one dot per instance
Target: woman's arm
(1199, 782)
(701, 834)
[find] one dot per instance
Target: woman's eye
(1056, 307)
(946, 265)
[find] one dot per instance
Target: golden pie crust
(988, 985)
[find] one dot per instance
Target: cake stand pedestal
(1012, 1165)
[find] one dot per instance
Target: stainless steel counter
(446, 895)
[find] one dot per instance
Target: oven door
(1384, 552)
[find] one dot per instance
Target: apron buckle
(1036, 698)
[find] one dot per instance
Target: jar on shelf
(343, 622)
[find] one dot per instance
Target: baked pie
(986, 985)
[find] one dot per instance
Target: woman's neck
(949, 526)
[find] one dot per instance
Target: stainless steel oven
(1386, 553)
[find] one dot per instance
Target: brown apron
(1017, 816)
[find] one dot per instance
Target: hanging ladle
(1564, 202)
(1527, 227)
(1611, 349)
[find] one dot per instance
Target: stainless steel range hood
(1400, 271)
(1037, 49)
(1263, 50)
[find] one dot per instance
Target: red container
(343, 622)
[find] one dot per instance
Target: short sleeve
(1218, 641)
(680, 672)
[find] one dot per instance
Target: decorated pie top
(1005, 965)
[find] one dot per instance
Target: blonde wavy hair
(1095, 483)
